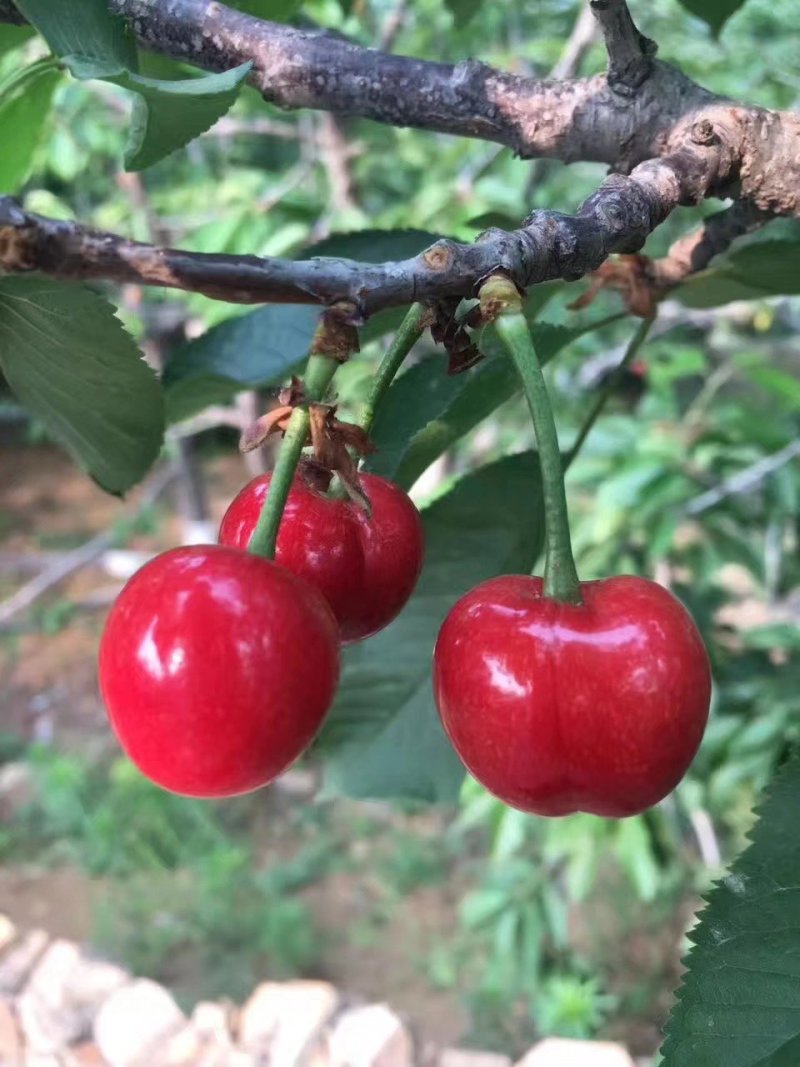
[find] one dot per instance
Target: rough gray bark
(676, 142)
(616, 218)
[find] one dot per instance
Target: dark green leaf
(274, 10)
(463, 10)
(383, 738)
(249, 351)
(739, 1005)
(787, 1055)
(372, 246)
(86, 29)
(169, 114)
(187, 396)
(253, 349)
(24, 111)
(762, 265)
(715, 12)
(494, 219)
(425, 411)
(69, 360)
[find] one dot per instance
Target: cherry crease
(216, 669)
(557, 708)
(366, 567)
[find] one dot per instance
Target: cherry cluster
(219, 664)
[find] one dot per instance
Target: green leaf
(762, 265)
(426, 410)
(86, 29)
(463, 10)
(500, 220)
(383, 737)
(24, 111)
(251, 349)
(169, 114)
(12, 37)
(187, 397)
(69, 360)
(372, 246)
(739, 1005)
(273, 10)
(715, 12)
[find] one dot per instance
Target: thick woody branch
(616, 218)
(630, 53)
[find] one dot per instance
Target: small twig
(707, 841)
(335, 155)
(695, 251)
(80, 557)
(393, 25)
(745, 480)
(569, 63)
(582, 37)
(630, 53)
(612, 382)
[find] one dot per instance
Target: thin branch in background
(630, 53)
(393, 25)
(584, 33)
(707, 841)
(746, 480)
(233, 127)
(70, 562)
(335, 154)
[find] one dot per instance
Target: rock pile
(60, 1007)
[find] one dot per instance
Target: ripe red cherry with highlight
(366, 567)
(216, 669)
(557, 708)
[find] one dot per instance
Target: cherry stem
(319, 372)
(404, 340)
(613, 380)
(560, 574)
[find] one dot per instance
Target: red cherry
(217, 668)
(365, 567)
(557, 708)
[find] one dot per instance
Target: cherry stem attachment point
(560, 574)
(404, 340)
(319, 373)
(635, 343)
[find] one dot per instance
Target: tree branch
(695, 251)
(617, 218)
(630, 53)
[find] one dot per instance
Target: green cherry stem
(560, 575)
(319, 372)
(404, 340)
(635, 343)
